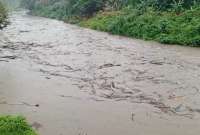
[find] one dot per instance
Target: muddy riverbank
(72, 81)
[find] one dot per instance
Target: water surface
(69, 80)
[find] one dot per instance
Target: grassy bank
(164, 27)
(165, 21)
(15, 125)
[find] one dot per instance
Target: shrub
(10, 125)
(88, 7)
(166, 5)
(165, 27)
(3, 16)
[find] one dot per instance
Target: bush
(169, 4)
(88, 7)
(101, 21)
(10, 125)
(165, 27)
(3, 16)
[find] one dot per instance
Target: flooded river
(69, 80)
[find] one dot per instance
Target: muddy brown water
(69, 80)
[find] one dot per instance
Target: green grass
(15, 125)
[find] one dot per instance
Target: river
(69, 80)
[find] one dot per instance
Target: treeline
(61, 9)
(166, 21)
(90, 7)
(3, 16)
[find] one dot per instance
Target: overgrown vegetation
(166, 21)
(3, 16)
(15, 125)
(165, 27)
(11, 4)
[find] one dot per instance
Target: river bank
(163, 27)
(177, 24)
(72, 80)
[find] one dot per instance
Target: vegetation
(165, 27)
(166, 21)
(3, 16)
(10, 125)
(11, 4)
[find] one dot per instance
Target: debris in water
(133, 117)
(24, 31)
(36, 125)
(22, 103)
(47, 78)
(4, 60)
(9, 57)
(109, 65)
(157, 62)
(180, 108)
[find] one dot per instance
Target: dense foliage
(90, 7)
(10, 125)
(3, 16)
(165, 27)
(67, 8)
(166, 21)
